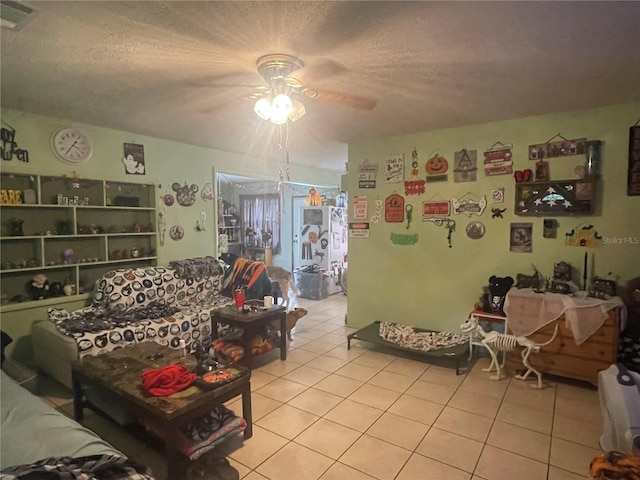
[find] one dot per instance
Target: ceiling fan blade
(318, 71)
(355, 101)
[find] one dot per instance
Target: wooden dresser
(563, 357)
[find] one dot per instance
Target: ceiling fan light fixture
(263, 108)
(282, 105)
(297, 111)
(279, 118)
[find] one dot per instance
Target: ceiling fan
(280, 99)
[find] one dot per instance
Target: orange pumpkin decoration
(437, 165)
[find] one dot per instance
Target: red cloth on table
(168, 380)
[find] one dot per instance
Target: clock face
(71, 146)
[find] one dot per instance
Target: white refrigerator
(321, 250)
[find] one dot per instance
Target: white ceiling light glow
(279, 105)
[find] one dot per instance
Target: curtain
(261, 221)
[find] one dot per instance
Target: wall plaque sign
(469, 207)
(395, 168)
(437, 208)
(394, 208)
(367, 173)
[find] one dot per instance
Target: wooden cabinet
(563, 357)
(73, 231)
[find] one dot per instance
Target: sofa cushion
(126, 289)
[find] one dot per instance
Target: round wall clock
(71, 146)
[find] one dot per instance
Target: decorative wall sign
(9, 146)
(360, 207)
(521, 237)
(404, 238)
(133, 159)
(498, 160)
(415, 185)
(394, 208)
(633, 172)
(586, 236)
(395, 168)
(497, 195)
(358, 230)
(497, 212)
(437, 167)
(469, 207)
(465, 166)
(436, 208)
(561, 197)
(176, 232)
(367, 173)
(560, 148)
(475, 230)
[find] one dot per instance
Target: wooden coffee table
(119, 372)
(232, 316)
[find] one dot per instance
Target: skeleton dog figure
(500, 342)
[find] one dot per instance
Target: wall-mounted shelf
(104, 223)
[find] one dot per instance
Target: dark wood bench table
(119, 372)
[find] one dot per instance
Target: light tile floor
(335, 414)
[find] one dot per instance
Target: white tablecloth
(528, 311)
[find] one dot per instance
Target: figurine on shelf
(39, 287)
(205, 362)
(16, 227)
(67, 256)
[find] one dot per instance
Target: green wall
(430, 285)
(166, 162)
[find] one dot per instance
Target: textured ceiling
(183, 70)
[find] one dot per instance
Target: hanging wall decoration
(415, 185)
(561, 148)
(394, 208)
(562, 197)
(367, 173)
(498, 160)
(360, 207)
(583, 236)
(445, 222)
(542, 171)
(633, 172)
(207, 192)
(133, 159)
(162, 226)
(521, 237)
(358, 230)
(176, 232)
(377, 216)
(497, 212)
(469, 205)
(405, 238)
(497, 195)
(465, 166)
(437, 167)
(395, 168)
(9, 146)
(435, 208)
(313, 198)
(185, 195)
(475, 230)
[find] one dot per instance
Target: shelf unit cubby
(72, 230)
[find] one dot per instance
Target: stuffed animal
(493, 300)
(39, 287)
